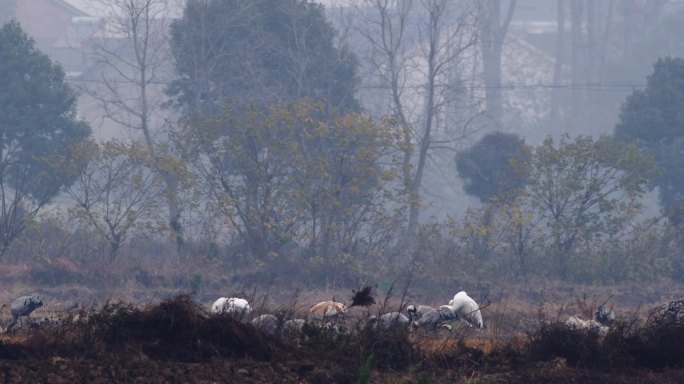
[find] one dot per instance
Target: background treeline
(259, 151)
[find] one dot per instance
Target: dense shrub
(624, 346)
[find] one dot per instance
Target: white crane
(327, 310)
(574, 322)
(467, 309)
(231, 306)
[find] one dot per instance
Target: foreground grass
(178, 341)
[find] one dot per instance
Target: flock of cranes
(461, 308)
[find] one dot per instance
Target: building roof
(105, 10)
(95, 8)
(70, 8)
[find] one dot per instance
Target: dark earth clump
(363, 297)
(176, 329)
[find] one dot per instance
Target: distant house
(85, 37)
(59, 29)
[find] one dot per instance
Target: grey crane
(293, 327)
(272, 325)
(267, 323)
(23, 306)
(416, 312)
(432, 319)
(389, 320)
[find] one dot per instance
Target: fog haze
(353, 136)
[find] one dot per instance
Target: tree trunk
(577, 69)
(556, 93)
(440, 52)
(492, 34)
(430, 110)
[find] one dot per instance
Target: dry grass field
(146, 328)
(165, 337)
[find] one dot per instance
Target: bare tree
(492, 33)
(415, 47)
(118, 191)
(639, 17)
(581, 62)
(133, 55)
(391, 63)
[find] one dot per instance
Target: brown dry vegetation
(148, 337)
(176, 340)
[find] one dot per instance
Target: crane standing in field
(23, 306)
(467, 309)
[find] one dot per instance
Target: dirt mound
(176, 329)
(625, 347)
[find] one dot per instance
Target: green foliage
(494, 166)
(119, 191)
(571, 220)
(38, 130)
(584, 190)
(654, 114)
(282, 175)
(654, 117)
(258, 51)
(366, 370)
(37, 117)
(517, 228)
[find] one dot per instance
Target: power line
(504, 87)
(507, 87)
